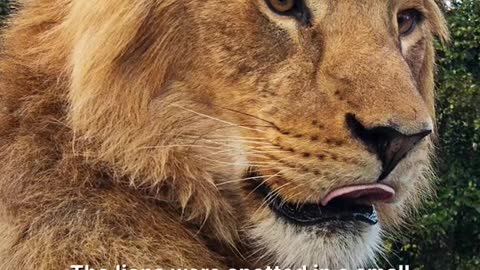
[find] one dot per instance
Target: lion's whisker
(217, 119)
(240, 180)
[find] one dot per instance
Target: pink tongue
(371, 193)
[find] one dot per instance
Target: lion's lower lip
(310, 214)
(314, 214)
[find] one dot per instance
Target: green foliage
(447, 235)
(3, 7)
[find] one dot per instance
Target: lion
(213, 134)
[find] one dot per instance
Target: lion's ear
(437, 20)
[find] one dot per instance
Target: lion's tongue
(370, 193)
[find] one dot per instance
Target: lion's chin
(334, 245)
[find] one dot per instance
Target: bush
(3, 7)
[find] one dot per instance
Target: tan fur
(126, 126)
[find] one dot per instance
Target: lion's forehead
(249, 41)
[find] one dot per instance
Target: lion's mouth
(349, 204)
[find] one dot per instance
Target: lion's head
(294, 122)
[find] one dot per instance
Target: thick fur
(126, 128)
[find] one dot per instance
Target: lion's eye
(407, 21)
(282, 6)
(293, 8)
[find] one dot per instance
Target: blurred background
(446, 233)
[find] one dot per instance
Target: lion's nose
(390, 145)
